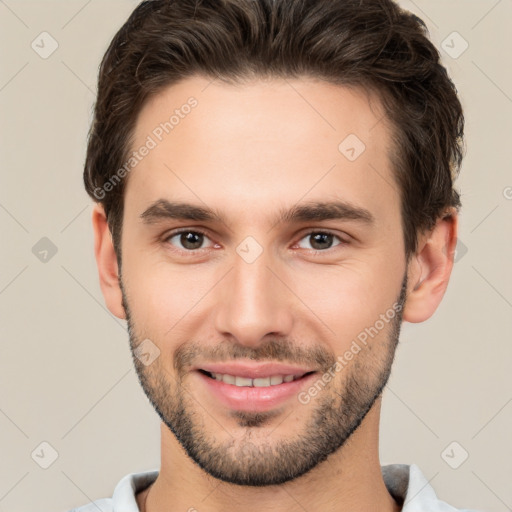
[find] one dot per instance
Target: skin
(266, 149)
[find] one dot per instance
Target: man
(274, 189)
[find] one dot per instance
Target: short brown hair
(372, 44)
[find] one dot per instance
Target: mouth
(259, 382)
(256, 394)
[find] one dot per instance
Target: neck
(348, 480)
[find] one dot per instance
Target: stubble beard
(246, 459)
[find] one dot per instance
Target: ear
(430, 268)
(107, 262)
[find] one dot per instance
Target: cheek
(163, 297)
(351, 298)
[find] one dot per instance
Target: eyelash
(314, 252)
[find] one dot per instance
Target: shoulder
(125, 496)
(410, 488)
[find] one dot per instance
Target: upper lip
(252, 370)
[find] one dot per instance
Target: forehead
(266, 142)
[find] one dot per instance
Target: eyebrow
(163, 209)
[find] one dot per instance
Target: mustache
(273, 350)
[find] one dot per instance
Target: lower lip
(249, 398)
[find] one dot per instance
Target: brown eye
(320, 240)
(187, 240)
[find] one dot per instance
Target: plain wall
(66, 375)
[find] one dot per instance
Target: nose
(254, 301)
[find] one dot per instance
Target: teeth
(278, 379)
(229, 379)
(242, 381)
(259, 382)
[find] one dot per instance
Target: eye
(320, 240)
(189, 240)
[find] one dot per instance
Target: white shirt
(405, 483)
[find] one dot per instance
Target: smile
(260, 382)
(255, 394)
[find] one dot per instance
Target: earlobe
(430, 269)
(106, 261)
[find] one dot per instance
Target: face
(261, 248)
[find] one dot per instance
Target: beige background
(66, 375)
